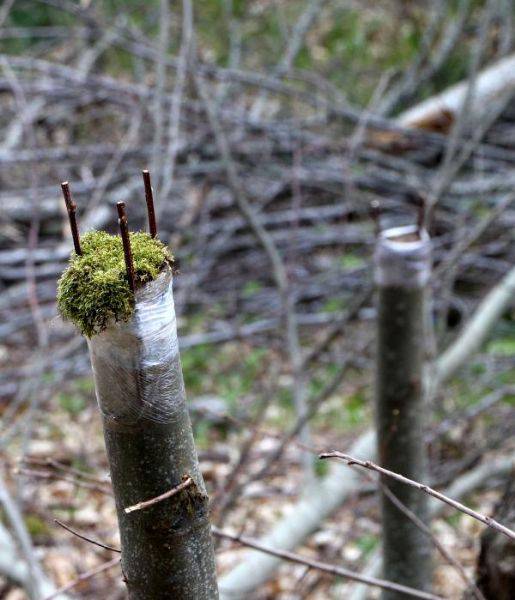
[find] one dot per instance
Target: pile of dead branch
(308, 171)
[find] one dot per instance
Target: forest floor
(65, 476)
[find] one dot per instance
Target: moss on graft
(94, 289)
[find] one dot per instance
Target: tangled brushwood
(94, 291)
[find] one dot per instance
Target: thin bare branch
(124, 231)
(86, 538)
(149, 197)
(146, 503)
(332, 569)
(367, 464)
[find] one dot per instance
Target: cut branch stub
(149, 197)
(71, 208)
(124, 231)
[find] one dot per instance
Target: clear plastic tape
(136, 365)
(402, 258)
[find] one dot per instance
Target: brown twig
(149, 197)
(146, 503)
(332, 569)
(124, 231)
(71, 207)
(85, 538)
(367, 464)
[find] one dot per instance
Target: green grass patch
(367, 543)
(334, 305)
(344, 412)
(502, 347)
(36, 526)
(71, 403)
(351, 261)
(321, 467)
(251, 288)
(229, 371)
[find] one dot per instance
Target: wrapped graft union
(402, 271)
(167, 550)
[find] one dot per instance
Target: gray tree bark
(167, 550)
(402, 269)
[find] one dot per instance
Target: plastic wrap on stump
(402, 270)
(167, 550)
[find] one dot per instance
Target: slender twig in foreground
(146, 503)
(367, 464)
(83, 577)
(320, 566)
(85, 538)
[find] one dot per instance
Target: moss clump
(94, 288)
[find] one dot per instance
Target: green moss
(73, 404)
(36, 526)
(94, 289)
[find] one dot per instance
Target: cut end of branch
(71, 208)
(340, 455)
(149, 198)
(127, 251)
(186, 482)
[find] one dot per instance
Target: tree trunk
(402, 270)
(167, 550)
(308, 513)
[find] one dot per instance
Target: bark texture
(167, 550)
(402, 271)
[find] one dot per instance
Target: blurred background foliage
(352, 44)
